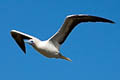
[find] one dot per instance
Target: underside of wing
(70, 22)
(19, 38)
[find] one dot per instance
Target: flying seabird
(51, 47)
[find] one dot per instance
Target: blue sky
(93, 47)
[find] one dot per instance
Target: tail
(63, 57)
(68, 59)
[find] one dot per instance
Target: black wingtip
(101, 19)
(111, 21)
(24, 52)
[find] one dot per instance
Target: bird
(51, 47)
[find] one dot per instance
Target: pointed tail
(68, 59)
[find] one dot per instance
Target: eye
(31, 41)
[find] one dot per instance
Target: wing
(19, 38)
(70, 22)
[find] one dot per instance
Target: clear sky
(93, 47)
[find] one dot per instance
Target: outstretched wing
(19, 38)
(70, 22)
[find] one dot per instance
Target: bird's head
(31, 41)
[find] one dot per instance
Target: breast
(47, 49)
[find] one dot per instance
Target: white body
(47, 49)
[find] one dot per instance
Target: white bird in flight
(51, 47)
